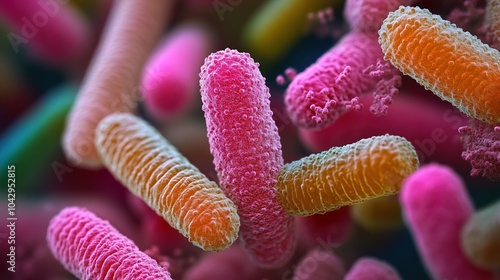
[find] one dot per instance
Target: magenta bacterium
(332, 85)
(91, 248)
(170, 77)
(55, 33)
(246, 146)
(436, 207)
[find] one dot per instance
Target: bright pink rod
(111, 83)
(246, 146)
(170, 78)
(91, 248)
(436, 207)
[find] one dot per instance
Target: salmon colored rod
(90, 248)
(111, 83)
(452, 63)
(151, 168)
(346, 175)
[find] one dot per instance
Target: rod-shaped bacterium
(90, 248)
(346, 175)
(170, 78)
(51, 29)
(331, 86)
(246, 146)
(452, 63)
(110, 84)
(436, 207)
(151, 168)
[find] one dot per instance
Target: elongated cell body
(453, 64)
(278, 25)
(329, 87)
(151, 168)
(480, 237)
(246, 146)
(436, 207)
(91, 248)
(110, 84)
(31, 143)
(52, 30)
(368, 15)
(170, 78)
(346, 175)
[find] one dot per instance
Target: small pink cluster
(482, 148)
(353, 67)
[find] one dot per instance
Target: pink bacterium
(436, 207)
(110, 83)
(332, 85)
(170, 77)
(246, 146)
(91, 248)
(55, 32)
(368, 15)
(371, 269)
(482, 148)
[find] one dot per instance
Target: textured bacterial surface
(346, 175)
(246, 146)
(453, 64)
(436, 207)
(91, 248)
(151, 168)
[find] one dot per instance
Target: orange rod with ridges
(347, 175)
(151, 168)
(450, 62)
